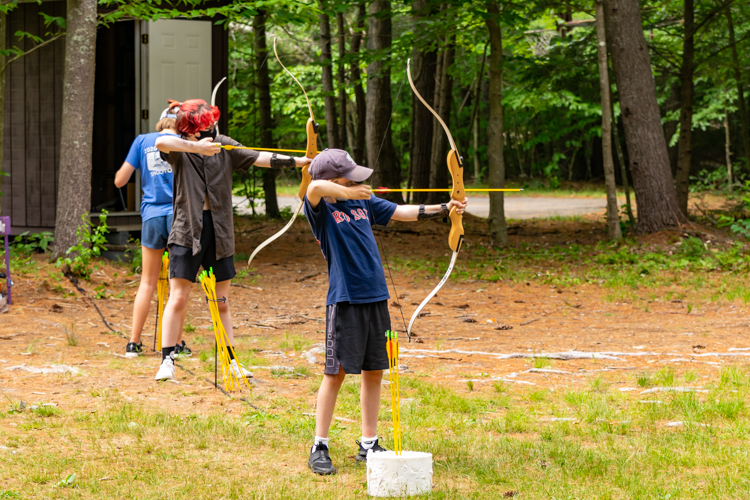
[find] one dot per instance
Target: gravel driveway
(516, 207)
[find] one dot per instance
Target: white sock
(367, 443)
(319, 441)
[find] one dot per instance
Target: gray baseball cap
(333, 163)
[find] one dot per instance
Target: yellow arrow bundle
(162, 292)
(223, 344)
(392, 347)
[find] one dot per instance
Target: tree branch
(718, 51)
(48, 41)
(719, 9)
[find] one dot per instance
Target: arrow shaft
(441, 190)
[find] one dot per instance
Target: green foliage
(739, 224)
(91, 242)
(136, 255)
(31, 243)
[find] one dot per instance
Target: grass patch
(484, 443)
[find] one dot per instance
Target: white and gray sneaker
(166, 370)
(240, 371)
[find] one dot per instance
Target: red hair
(195, 115)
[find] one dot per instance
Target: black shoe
(362, 455)
(319, 461)
(133, 350)
(182, 350)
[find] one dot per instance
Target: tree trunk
(77, 123)
(342, 79)
(475, 134)
(744, 118)
(438, 169)
(685, 144)
(2, 101)
(473, 127)
(326, 63)
(496, 163)
(647, 149)
(728, 150)
(588, 150)
(264, 112)
(424, 63)
(621, 160)
(359, 93)
(381, 155)
(571, 166)
(613, 216)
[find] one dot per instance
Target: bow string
(456, 235)
(311, 151)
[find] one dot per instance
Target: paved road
(518, 207)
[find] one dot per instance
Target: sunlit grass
(485, 442)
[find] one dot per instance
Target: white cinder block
(391, 475)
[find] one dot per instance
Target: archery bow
(213, 97)
(456, 236)
(311, 151)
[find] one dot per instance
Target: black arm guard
(442, 214)
(282, 163)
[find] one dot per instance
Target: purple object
(5, 231)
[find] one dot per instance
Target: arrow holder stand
(162, 293)
(223, 350)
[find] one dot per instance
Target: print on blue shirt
(156, 177)
(344, 232)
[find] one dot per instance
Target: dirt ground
(283, 302)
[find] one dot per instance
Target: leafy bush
(91, 243)
(31, 243)
(739, 225)
(136, 255)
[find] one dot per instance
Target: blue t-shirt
(344, 232)
(156, 178)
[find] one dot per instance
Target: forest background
(547, 107)
(519, 85)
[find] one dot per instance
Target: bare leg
(370, 401)
(149, 281)
(182, 329)
(174, 313)
(327, 394)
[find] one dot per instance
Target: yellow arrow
(387, 190)
(228, 147)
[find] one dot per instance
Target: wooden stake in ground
(223, 344)
(392, 347)
(162, 292)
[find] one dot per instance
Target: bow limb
(311, 151)
(456, 235)
(213, 97)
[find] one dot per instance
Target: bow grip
(456, 236)
(311, 151)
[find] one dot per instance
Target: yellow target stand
(162, 293)
(223, 346)
(392, 347)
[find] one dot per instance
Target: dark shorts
(183, 264)
(155, 232)
(355, 337)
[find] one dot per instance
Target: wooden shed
(139, 64)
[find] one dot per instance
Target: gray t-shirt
(195, 176)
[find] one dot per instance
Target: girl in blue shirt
(156, 215)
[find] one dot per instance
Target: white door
(179, 64)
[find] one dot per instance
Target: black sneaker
(182, 351)
(133, 350)
(362, 455)
(319, 461)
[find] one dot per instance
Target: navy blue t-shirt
(344, 232)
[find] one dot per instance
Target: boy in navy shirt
(341, 213)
